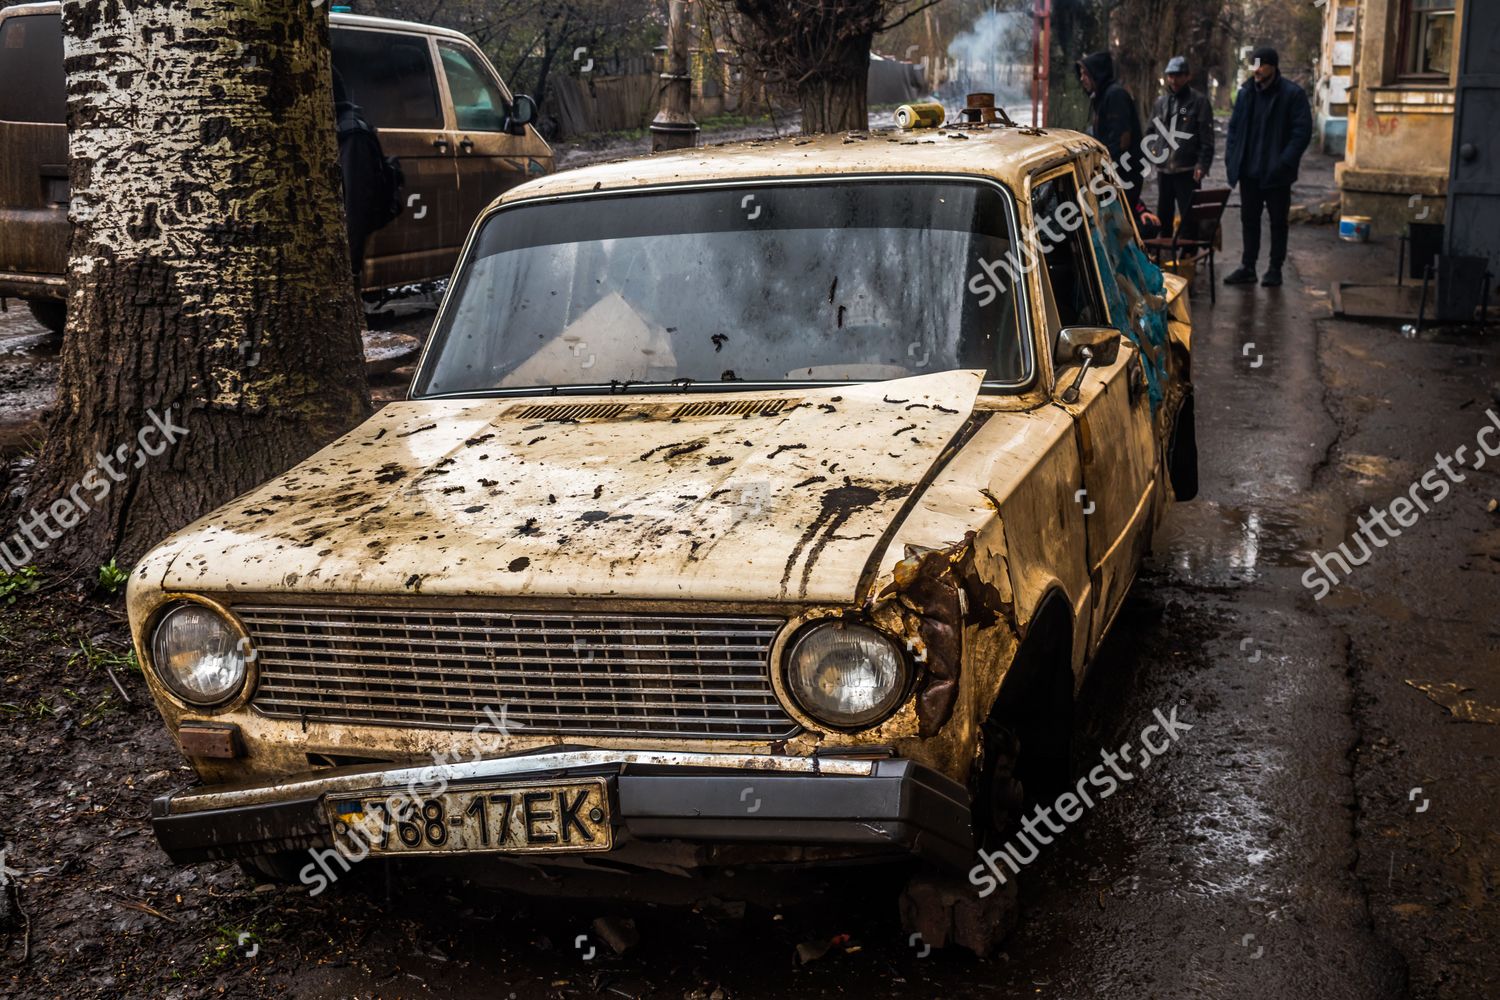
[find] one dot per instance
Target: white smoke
(994, 55)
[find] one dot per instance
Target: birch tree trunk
(210, 283)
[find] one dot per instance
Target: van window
(477, 101)
(389, 75)
(32, 85)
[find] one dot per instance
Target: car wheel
(1183, 463)
(50, 313)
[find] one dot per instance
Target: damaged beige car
(760, 505)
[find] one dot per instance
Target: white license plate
(561, 816)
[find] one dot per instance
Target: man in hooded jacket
(1113, 118)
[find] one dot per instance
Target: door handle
(466, 144)
(440, 143)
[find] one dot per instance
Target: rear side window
(32, 85)
(390, 76)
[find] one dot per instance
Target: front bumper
(883, 806)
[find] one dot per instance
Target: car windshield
(805, 282)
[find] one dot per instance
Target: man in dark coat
(1268, 132)
(1181, 111)
(1113, 118)
(368, 194)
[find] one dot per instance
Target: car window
(32, 85)
(1133, 288)
(833, 281)
(390, 76)
(1062, 235)
(478, 103)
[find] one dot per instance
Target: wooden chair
(1203, 219)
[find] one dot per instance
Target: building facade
(1399, 105)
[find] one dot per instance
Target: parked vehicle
(752, 505)
(438, 104)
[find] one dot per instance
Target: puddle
(1206, 543)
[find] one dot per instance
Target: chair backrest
(1206, 208)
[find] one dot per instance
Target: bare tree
(212, 319)
(819, 49)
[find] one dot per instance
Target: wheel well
(1041, 675)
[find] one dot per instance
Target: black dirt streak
(481, 439)
(786, 447)
(518, 564)
(529, 528)
(887, 399)
(908, 427)
(922, 406)
(841, 317)
(598, 491)
(390, 472)
(828, 408)
(839, 504)
(719, 460)
(414, 582)
(832, 289)
(809, 482)
(719, 339)
(686, 449)
(424, 427)
(535, 440)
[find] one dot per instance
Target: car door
(391, 75)
(489, 161)
(1111, 416)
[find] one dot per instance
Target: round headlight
(846, 675)
(198, 654)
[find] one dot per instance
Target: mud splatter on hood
(626, 497)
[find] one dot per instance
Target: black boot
(1241, 275)
(1272, 277)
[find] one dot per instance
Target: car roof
(337, 17)
(1003, 153)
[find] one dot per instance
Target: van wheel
(281, 868)
(50, 313)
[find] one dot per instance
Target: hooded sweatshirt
(1113, 117)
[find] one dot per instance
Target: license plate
(564, 816)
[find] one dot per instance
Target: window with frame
(389, 75)
(1427, 37)
(1057, 210)
(478, 103)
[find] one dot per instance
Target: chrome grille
(576, 675)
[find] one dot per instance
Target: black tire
(50, 313)
(1183, 463)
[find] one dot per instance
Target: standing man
(1181, 111)
(1113, 119)
(1268, 132)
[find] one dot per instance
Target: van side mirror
(522, 113)
(1086, 346)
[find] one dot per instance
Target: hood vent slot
(568, 411)
(733, 408)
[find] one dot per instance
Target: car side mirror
(1086, 346)
(522, 113)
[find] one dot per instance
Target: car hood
(732, 497)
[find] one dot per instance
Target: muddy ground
(1325, 829)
